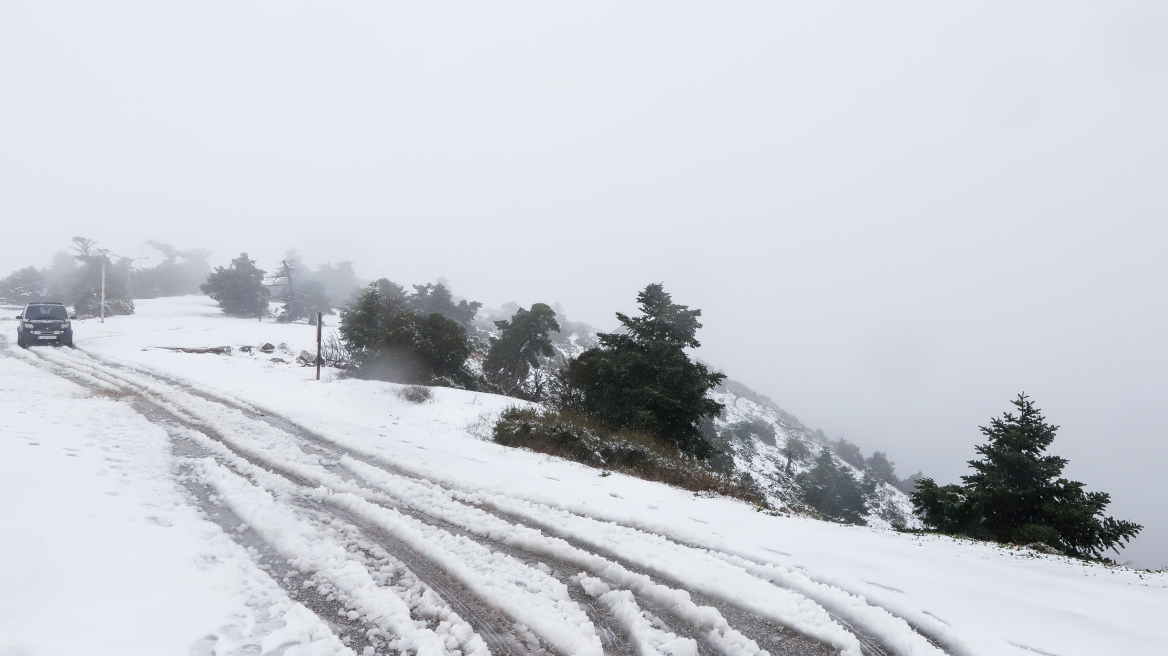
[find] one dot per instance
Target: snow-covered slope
(252, 517)
(763, 455)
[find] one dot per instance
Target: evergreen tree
(59, 276)
(390, 342)
(340, 281)
(643, 379)
(794, 449)
(179, 272)
(438, 299)
(522, 341)
(849, 453)
(1017, 493)
(880, 469)
(288, 283)
(239, 289)
(833, 490)
(22, 286)
(84, 289)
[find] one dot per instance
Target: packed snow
(101, 535)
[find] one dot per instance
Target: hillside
(761, 454)
(758, 450)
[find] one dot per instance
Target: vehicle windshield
(46, 312)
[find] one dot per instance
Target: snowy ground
(160, 502)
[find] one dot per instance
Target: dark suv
(44, 323)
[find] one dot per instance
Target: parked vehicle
(44, 323)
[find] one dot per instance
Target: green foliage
(22, 286)
(849, 453)
(644, 380)
(880, 469)
(587, 440)
(833, 491)
(239, 289)
(1017, 494)
(389, 342)
(747, 430)
(793, 450)
(437, 299)
(516, 352)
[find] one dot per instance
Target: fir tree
(1017, 493)
(643, 379)
(239, 289)
(515, 353)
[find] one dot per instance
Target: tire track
(778, 639)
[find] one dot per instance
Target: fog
(895, 217)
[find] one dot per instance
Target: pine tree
(1017, 493)
(239, 289)
(643, 379)
(516, 352)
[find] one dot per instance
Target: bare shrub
(335, 353)
(415, 393)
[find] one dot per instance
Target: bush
(576, 437)
(415, 393)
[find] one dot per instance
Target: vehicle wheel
(20, 341)
(68, 341)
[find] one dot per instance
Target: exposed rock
(267, 348)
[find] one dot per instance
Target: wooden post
(103, 287)
(319, 323)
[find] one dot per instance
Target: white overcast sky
(895, 216)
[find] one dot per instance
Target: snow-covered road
(361, 533)
(208, 504)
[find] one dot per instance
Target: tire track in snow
(507, 636)
(866, 644)
(706, 618)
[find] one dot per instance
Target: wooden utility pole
(319, 323)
